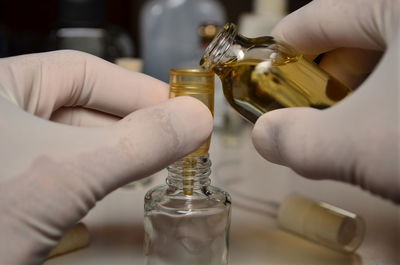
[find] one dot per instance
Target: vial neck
(190, 173)
(219, 47)
(230, 46)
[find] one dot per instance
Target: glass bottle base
(182, 230)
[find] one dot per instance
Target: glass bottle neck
(190, 173)
(229, 46)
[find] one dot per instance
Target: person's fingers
(82, 117)
(354, 141)
(53, 173)
(142, 143)
(158, 136)
(70, 164)
(300, 139)
(350, 65)
(325, 25)
(315, 144)
(42, 83)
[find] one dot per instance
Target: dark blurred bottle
(82, 25)
(3, 42)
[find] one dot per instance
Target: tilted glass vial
(321, 222)
(187, 221)
(263, 74)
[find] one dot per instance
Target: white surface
(116, 223)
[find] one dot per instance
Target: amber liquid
(254, 87)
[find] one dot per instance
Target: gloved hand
(357, 140)
(51, 174)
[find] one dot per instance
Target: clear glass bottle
(263, 74)
(187, 221)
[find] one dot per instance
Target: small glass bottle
(321, 222)
(187, 221)
(263, 74)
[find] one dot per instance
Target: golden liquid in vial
(254, 86)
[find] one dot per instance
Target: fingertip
(279, 136)
(172, 129)
(294, 29)
(321, 26)
(194, 117)
(280, 30)
(265, 137)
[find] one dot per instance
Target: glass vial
(263, 74)
(321, 222)
(187, 220)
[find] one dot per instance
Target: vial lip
(191, 71)
(191, 79)
(359, 235)
(218, 46)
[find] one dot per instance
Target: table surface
(116, 223)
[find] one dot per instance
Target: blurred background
(150, 36)
(26, 26)
(154, 36)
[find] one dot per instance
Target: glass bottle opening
(219, 46)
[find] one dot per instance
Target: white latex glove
(357, 140)
(51, 174)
